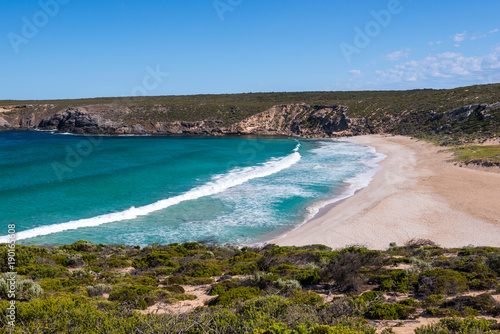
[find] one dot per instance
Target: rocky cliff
(291, 120)
(297, 120)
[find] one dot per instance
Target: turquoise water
(58, 189)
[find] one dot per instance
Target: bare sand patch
(417, 193)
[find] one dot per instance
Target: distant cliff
(447, 116)
(288, 120)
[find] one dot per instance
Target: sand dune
(416, 194)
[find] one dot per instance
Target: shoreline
(415, 194)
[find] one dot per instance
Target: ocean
(61, 188)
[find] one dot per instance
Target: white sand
(416, 194)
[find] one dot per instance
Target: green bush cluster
(390, 311)
(463, 326)
(273, 293)
(199, 268)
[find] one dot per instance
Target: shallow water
(58, 189)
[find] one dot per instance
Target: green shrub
(280, 328)
(221, 287)
(147, 280)
(433, 300)
(309, 277)
(483, 303)
(25, 256)
(301, 297)
(373, 296)
(442, 312)
(262, 280)
(389, 311)
(348, 268)
(38, 271)
(81, 246)
(155, 259)
(287, 286)
(75, 260)
(57, 284)
(23, 289)
(97, 290)
(132, 295)
(233, 295)
(493, 262)
(456, 325)
(185, 296)
(244, 257)
(175, 280)
(441, 281)
(96, 269)
(115, 262)
(198, 268)
(177, 289)
(243, 269)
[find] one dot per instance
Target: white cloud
(477, 37)
(494, 31)
(435, 43)
(355, 72)
(398, 55)
(459, 38)
(443, 65)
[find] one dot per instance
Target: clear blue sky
(107, 48)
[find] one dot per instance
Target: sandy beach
(417, 193)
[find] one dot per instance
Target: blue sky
(76, 49)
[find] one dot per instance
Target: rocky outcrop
(22, 117)
(81, 121)
(201, 128)
(297, 120)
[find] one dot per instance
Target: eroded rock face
(188, 128)
(297, 119)
(80, 121)
(22, 117)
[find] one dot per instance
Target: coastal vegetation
(478, 154)
(89, 288)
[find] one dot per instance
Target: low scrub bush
(23, 289)
(309, 277)
(493, 262)
(462, 326)
(483, 303)
(198, 268)
(237, 294)
(135, 296)
(97, 290)
(39, 271)
(389, 311)
(441, 281)
(348, 267)
(155, 259)
(176, 289)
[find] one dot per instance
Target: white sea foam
(353, 184)
(218, 184)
